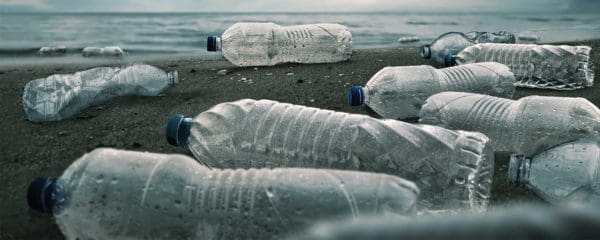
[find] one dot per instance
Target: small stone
(300, 81)
(380, 60)
(213, 69)
(162, 95)
(255, 69)
(136, 145)
(312, 100)
(62, 133)
(243, 79)
(290, 74)
(326, 76)
(193, 70)
(341, 75)
(99, 108)
(222, 72)
(268, 74)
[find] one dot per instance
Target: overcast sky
(296, 5)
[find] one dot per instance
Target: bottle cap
(450, 60)
(39, 194)
(518, 169)
(425, 52)
(178, 130)
(356, 96)
(213, 44)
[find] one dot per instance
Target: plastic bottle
(451, 43)
(516, 223)
(453, 169)
(115, 194)
(52, 51)
(567, 174)
(527, 126)
(113, 51)
(266, 44)
(61, 96)
(399, 92)
(535, 66)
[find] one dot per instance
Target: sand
(29, 150)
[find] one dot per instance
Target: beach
(30, 150)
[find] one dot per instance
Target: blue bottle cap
(450, 60)
(425, 52)
(178, 130)
(356, 96)
(211, 44)
(39, 194)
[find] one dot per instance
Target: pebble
(290, 74)
(193, 70)
(312, 100)
(380, 60)
(300, 81)
(268, 74)
(62, 133)
(326, 76)
(341, 74)
(222, 72)
(255, 69)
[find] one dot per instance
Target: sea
(172, 35)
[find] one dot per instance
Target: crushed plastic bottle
(52, 51)
(399, 92)
(115, 194)
(568, 174)
(453, 169)
(452, 43)
(528, 126)
(535, 66)
(265, 44)
(525, 222)
(61, 96)
(113, 51)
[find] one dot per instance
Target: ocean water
(184, 34)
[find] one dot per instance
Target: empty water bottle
(52, 51)
(399, 92)
(451, 43)
(113, 51)
(565, 174)
(453, 169)
(535, 66)
(527, 222)
(527, 126)
(61, 96)
(265, 44)
(115, 194)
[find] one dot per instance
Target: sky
(298, 5)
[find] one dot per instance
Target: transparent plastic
(451, 43)
(399, 92)
(113, 51)
(568, 174)
(537, 66)
(528, 126)
(61, 96)
(265, 44)
(453, 169)
(52, 51)
(115, 194)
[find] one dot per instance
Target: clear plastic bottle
(266, 44)
(567, 174)
(112, 51)
(524, 222)
(399, 92)
(528, 126)
(61, 96)
(535, 66)
(453, 169)
(115, 194)
(451, 43)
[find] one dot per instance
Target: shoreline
(30, 150)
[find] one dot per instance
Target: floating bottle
(568, 174)
(399, 92)
(528, 126)
(115, 194)
(266, 44)
(453, 169)
(61, 96)
(535, 66)
(451, 43)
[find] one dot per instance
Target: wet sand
(29, 150)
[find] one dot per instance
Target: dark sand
(29, 150)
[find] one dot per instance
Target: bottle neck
(518, 170)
